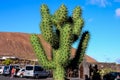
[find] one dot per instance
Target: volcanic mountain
(18, 45)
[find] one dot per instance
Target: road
(15, 78)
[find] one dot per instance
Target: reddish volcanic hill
(18, 44)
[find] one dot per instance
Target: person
(13, 71)
(86, 77)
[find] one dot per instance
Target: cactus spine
(60, 31)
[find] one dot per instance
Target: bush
(7, 62)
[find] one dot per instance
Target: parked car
(1, 69)
(35, 71)
(8, 68)
(20, 73)
(111, 76)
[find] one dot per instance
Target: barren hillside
(18, 44)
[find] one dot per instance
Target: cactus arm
(77, 12)
(80, 50)
(65, 43)
(78, 22)
(78, 25)
(46, 27)
(40, 53)
(60, 16)
(83, 45)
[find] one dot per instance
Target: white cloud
(101, 3)
(117, 12)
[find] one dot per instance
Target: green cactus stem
(60, 31)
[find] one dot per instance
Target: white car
(35, 71)
(1, 69)
(20, 73)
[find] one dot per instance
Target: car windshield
(29, 67)
(0, 67)
(17, 67)
(6, 67)
(23, 70)
(38, 68)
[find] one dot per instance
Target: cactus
(60, 31)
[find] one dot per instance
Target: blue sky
(102, 19)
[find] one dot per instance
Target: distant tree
(7, 62)
(104, 71)
(61, 31)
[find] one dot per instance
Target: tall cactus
(60, 31)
